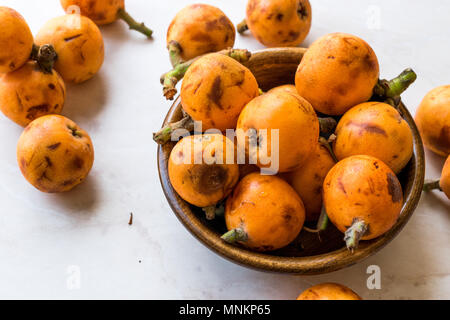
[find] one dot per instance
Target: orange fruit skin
(267, 209)
(337, 72)
(16, 40)
(100, 11)
(278, 23)
(433, 120)
(329, 291)
(199, 182)
(308, 181)
(445, 178)
(54, 154)
(296, 121)
(285, 88)
(215, 89)
(200, 29)
(375, 129)
(28, 93)
(363, 187)
(78, 43)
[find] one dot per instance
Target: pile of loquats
(53, 153)
(330, 125)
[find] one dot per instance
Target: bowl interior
(307, 254)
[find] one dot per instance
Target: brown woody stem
(433, 185)
(170, 79)
(327, 126)
(354, 234)
(242, 27)
(164, 135)
(174, 53)
(235, 235)
(133, 24)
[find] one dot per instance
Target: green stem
(433, 185)
(133, 24)
(235, 235)
(45, 56)
(322, 223)
(170, 79)
(327, 126)
(395, 87)
(242, 27)
(354, 234)
(164, 135)
(174, 53)
(324, 142)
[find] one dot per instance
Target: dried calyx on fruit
(45, 56)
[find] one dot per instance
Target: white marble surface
(42, 235)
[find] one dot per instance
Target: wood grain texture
(307, 255)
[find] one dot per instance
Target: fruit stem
(133, 24)
(395, 87)
(432, 185)
(322, 223)
(324, 142)
(165, 134)
(174, 53)
(171, 78)
(242, 27)
(210, 212)
(45, 56)
(327, 126)
(354, 234)
(235, 235)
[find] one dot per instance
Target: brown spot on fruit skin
(67, 183)
(49, 162)
(23, 163)
(33, 111)
(78, 163)
(342, 89)
(341, 186)
(288, 213)
(208, 179)
(72, 38)
(216, 91)
(371, 128)
(54, 146)
(293, 35)
(443, 141)
(51, 86)
(201, 37)
(394, 188)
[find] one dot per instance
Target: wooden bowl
(307, 255)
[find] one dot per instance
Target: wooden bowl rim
(308, 265)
